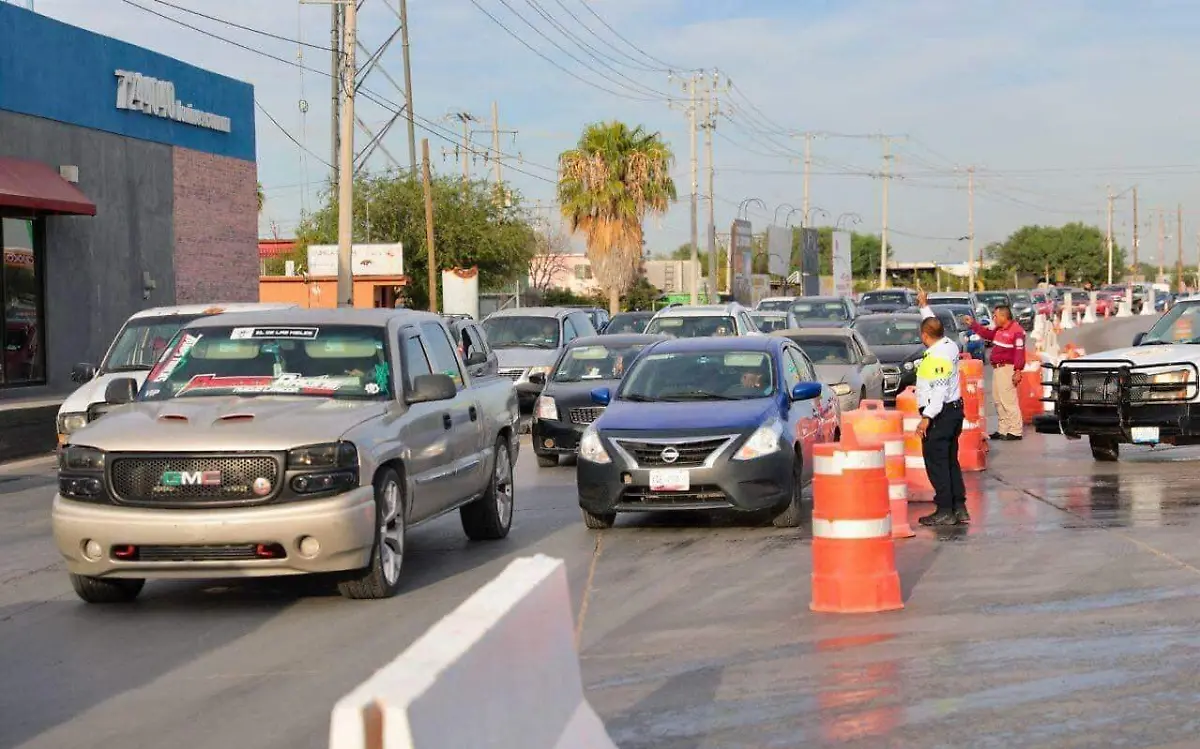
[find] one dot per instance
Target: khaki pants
(1008, 407)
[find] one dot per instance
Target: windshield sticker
(743, 360)
(286, 383)
(168, 366)
(590, 352)
(371, 388)
(383, 375)
(301, 334)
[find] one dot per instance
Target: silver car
(842, 361)
(285, 443)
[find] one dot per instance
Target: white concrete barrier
(1126, 308)
(1039, 327)
(1090, 314)
(499, 672)
(1068, 312)
(1148, 304)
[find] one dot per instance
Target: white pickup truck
(1147, 394)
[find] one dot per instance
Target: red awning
(33, 185)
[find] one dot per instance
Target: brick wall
(216, 228)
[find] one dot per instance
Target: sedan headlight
(841, 389)
(78, 458)
(908, 366)
(591, 448)
(545, 408)
(329, 455)
(71, 422)
(764, 441)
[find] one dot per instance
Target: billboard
(741, 240)
(366, 260)
(810, 264)
(843, 276)
(779, 250)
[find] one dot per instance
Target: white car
(1146, 394)
(702, 321)
(137, 347)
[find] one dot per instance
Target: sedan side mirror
(870, 359)
(121, 391)
(601, 396)
(82, 373)
(806, 391)
(537, 378)
(1137, 339)
(427, 388)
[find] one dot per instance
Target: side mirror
(870, 359)
(537, 378)
(806, 391)
(601, 396)
(1137, 339)
(82, 373)
(121, 391)
(432, 387)
(475, 358)
(602, 327)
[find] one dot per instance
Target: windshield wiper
(1160, 342)
(131, 368)
(699, 395)
(639, 398)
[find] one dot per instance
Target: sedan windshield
(991, 300)
(1021, 298)
(595, 363)
(330, 361)
(768, 323)
(885, 297)
(885, 331)
(774, 305)
(692, 327)
(522, 332)
(940, 300)
(826, 350)
(820, 311)
(1181, 324)
(142, 342)
(700, 376)
(627, 324)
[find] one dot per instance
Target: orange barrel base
(898, 496)
(854, 576)
(972, 450)
(869, 420)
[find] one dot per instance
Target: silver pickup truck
(285, 443)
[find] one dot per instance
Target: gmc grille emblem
(190, 478)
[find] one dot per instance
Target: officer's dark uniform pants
(940, 450)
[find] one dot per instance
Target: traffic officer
(1008, 366)
(940, 402)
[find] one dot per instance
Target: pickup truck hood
(92, 391)
(716, 415)
(1179, 352)
(226, 423)
(511, 358)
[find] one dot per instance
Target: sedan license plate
(670, 480)
(1144, 435)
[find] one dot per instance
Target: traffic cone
(854, 557)
(871, 419)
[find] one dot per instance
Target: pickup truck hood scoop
(227, 423)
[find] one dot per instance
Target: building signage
(18, 257)
(779, 250)
(366, 260)
(843, 278)
(141, 93)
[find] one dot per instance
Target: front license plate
(670, 480)
(1143, 435)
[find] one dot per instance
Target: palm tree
(606, 186)
(261, 197)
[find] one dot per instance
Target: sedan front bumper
(550, 437)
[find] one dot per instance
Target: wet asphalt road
(1063, 616)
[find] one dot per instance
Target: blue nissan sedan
(707, 424)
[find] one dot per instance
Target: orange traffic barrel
(854, 558)
(970, 383)
(871, 419)
(972, 447)
(893, 457)
(1029, 393)
(914, 452)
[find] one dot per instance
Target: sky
(1051, 103)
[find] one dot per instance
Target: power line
(290, 137)
(597, 55)
(235, 25)
(633, 61)
(666, 67)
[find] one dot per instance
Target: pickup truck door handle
(447, 421)
(474, 413)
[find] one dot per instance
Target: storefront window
(21, 300)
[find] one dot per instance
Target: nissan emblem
(669, 455)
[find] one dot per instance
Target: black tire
(106, 590)
(793, 514)
(1105, 449)
(490, 517)
(547, 461)
(598, 522)
(381, 578)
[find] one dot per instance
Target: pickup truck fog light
(314, 483)
(80, 487)
(309, 547)
(548, 443)
(92, 550)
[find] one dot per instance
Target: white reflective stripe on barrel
(914, 461)
(892, 448)
(910, 425)
(967, 425)
(847, 460)
(852, 529)
(897, 490)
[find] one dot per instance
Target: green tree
(471, 228)
(864, 252)
(261, 197)
(1075, 250)
(608, 183)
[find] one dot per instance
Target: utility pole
(712, 110)
(1137, 268)
(495, 155)
(887, 176)
(335, 78)
(408, 97)
(346, 176)
(1162, 248)
(971, 230)
(690, 86)
(1179, 256)
(431, 252)
(807, 169)
(1108, 243)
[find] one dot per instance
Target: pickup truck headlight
(329, 455)
(78, 458)
(764, 441)
(1179, 377)
(841, 389)
(71, 422)
(591, 448)
(545, 408)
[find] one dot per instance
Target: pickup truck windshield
(595, 363)
(829, 351)
(627, 324)
(328, 361)
(820, 311)
(887, 332)
(1181, 324)
(142, 342)
(885, 297)
(769, 323)
(774, 305)
(1021, 298)
(700, 376)
(692, 327)
(522, 332)
(991, 300)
